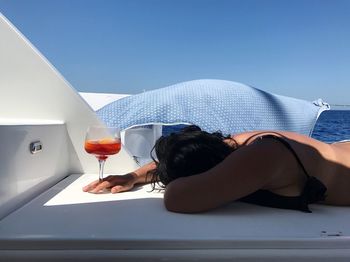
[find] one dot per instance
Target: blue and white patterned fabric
(214, 105)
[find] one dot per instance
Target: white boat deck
(64, 217)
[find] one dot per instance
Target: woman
(202, 171)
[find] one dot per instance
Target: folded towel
(214, 105)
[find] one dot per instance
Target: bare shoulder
(248, 137)
(312, 152)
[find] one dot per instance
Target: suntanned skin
(265, 164)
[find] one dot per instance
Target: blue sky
(298, 48)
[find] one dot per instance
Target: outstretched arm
(120, 183)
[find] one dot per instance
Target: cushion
(214, 105)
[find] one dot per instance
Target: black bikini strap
(284, 142)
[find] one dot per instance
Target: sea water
(331, 126)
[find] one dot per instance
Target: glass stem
(101, 163)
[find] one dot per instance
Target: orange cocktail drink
(103, 148)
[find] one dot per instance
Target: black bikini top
(313, 191)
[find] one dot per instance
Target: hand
(115, 183)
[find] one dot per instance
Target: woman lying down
(202, 171)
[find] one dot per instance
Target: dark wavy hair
(188, 152)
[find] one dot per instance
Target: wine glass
(102, 142)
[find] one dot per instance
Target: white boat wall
(45, 216)
(34, 99)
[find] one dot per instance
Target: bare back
(330, 163)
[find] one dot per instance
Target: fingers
(100, 187)
(115, 183)
(119, 188)
(96, 186)
(91, 186)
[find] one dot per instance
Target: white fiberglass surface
(99, 100)
(73, 194)
(66, 217)
(35, 90)
(28, 121)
